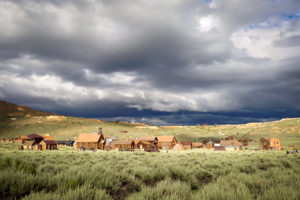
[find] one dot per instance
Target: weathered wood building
(122, 145)
(166, 142)
(90, 141)
(269, 144)
(28, 145)
(149, 142)
(197, 145)
(186, 145)
(47, 145)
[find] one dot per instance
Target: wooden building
(219, 148)
(137, 144)
(28, 145)
(21, 139)
(47, 145)
(209, 145)
(197, 145)
(122, 145)
(245, 141)
(275, 144)
(186, 145)
(166, 142)
(230, 143)
(149, 142)
(90, 141)
(231, 137)
(269, 144)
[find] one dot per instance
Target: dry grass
(194, 174)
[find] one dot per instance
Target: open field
(193, 174)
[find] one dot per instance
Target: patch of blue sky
(207, 1)
(287, 17)
(274, 24)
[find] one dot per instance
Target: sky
(174, 62)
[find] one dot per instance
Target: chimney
(100, 131)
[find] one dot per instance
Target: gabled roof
(50, 141)
(186, 143)
(48, 137)
(34, 136)
(23, 137)
(136, 141)
(147, 138)
(28, 143)
(88, 138)
(166, 138)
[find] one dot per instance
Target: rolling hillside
(20, 120)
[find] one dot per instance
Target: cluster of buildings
(37, 142)
(146, 143)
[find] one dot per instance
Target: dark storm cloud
(119, 58)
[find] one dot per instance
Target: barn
(90, 141)
(166, 142)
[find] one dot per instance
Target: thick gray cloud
(101, 58)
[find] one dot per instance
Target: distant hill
(9, 110)
(20, 120)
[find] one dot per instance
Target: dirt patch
(55, 118)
